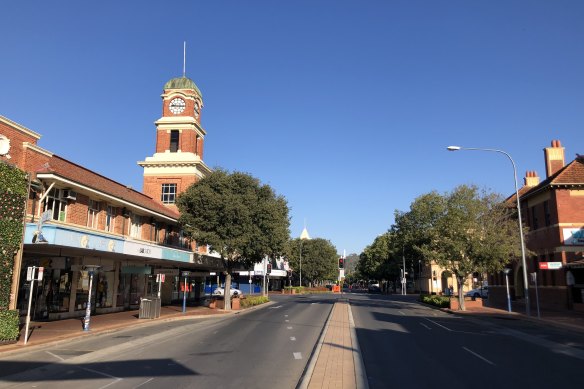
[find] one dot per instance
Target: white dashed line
(289, 328)
(478, 356)
(425, 326)
(293, 338)
(297, 355)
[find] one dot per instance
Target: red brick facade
(551, 211)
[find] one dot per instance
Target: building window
(168, 193)
(56, 204)
(174, 137)
(546, 211)
(135, 226)
(534, 218)
(92, 213)
(110, 217)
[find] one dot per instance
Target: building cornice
(20, 127)
(36, 148)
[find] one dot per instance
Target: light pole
(506, 271)
(523, 262)
(420, 275)
(300, 263)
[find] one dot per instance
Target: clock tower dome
(178, 160)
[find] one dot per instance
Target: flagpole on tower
(184, 58)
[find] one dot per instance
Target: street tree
(237, 217)
(464, 231)
(319, 259)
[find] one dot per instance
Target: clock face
(176, 106)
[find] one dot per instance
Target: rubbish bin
(146, 309)
(149, 308)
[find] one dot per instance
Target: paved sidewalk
(44, 333)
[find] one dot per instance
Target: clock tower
(178, 160)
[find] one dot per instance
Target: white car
(478, 292)
(232, 292)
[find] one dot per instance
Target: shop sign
(142, 250)
(550, 265)
(573, 236)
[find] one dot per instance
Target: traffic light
(341, 263)
(269, 268)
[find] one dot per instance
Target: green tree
(464, 231)
(238, 217)
(319, 259)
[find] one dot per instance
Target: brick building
(553, 213)
(77, 219)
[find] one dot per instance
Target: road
(405, 344)
(264, 348)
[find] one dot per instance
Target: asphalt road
(264, 348)
(405, 344)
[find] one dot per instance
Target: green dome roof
(182, 83)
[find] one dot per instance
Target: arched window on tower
(174, 140)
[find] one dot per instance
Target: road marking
(287, 320)
(54, 355)
(297, 355)
(143, 383)
(479, 356)
(401, 313)
(423, 325)
(285, 315)
(293, 338)
(439, 325)
(116, 379)
(276, 307)
(289, 328)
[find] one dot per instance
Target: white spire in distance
(304, 235)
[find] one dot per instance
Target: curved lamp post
(525, 283)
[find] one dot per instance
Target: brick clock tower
(178, 160)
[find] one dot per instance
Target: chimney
(554, 158)
(531, 179)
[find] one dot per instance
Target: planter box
(468, 303)
(220, 304)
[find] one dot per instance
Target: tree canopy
(237, 217)
(463, 231)
(319, 259)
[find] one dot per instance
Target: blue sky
(344, 107)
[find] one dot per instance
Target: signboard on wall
(550, 265)
(573, 236)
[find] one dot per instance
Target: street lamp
(523, 262)
(506, 271)
(300, 263)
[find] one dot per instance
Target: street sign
(550, 265)
(30, 273)
(186, 273)
(40, 273)
(160, 277)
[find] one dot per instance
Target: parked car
(374, 288)
(478, 292)
(232, 292)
